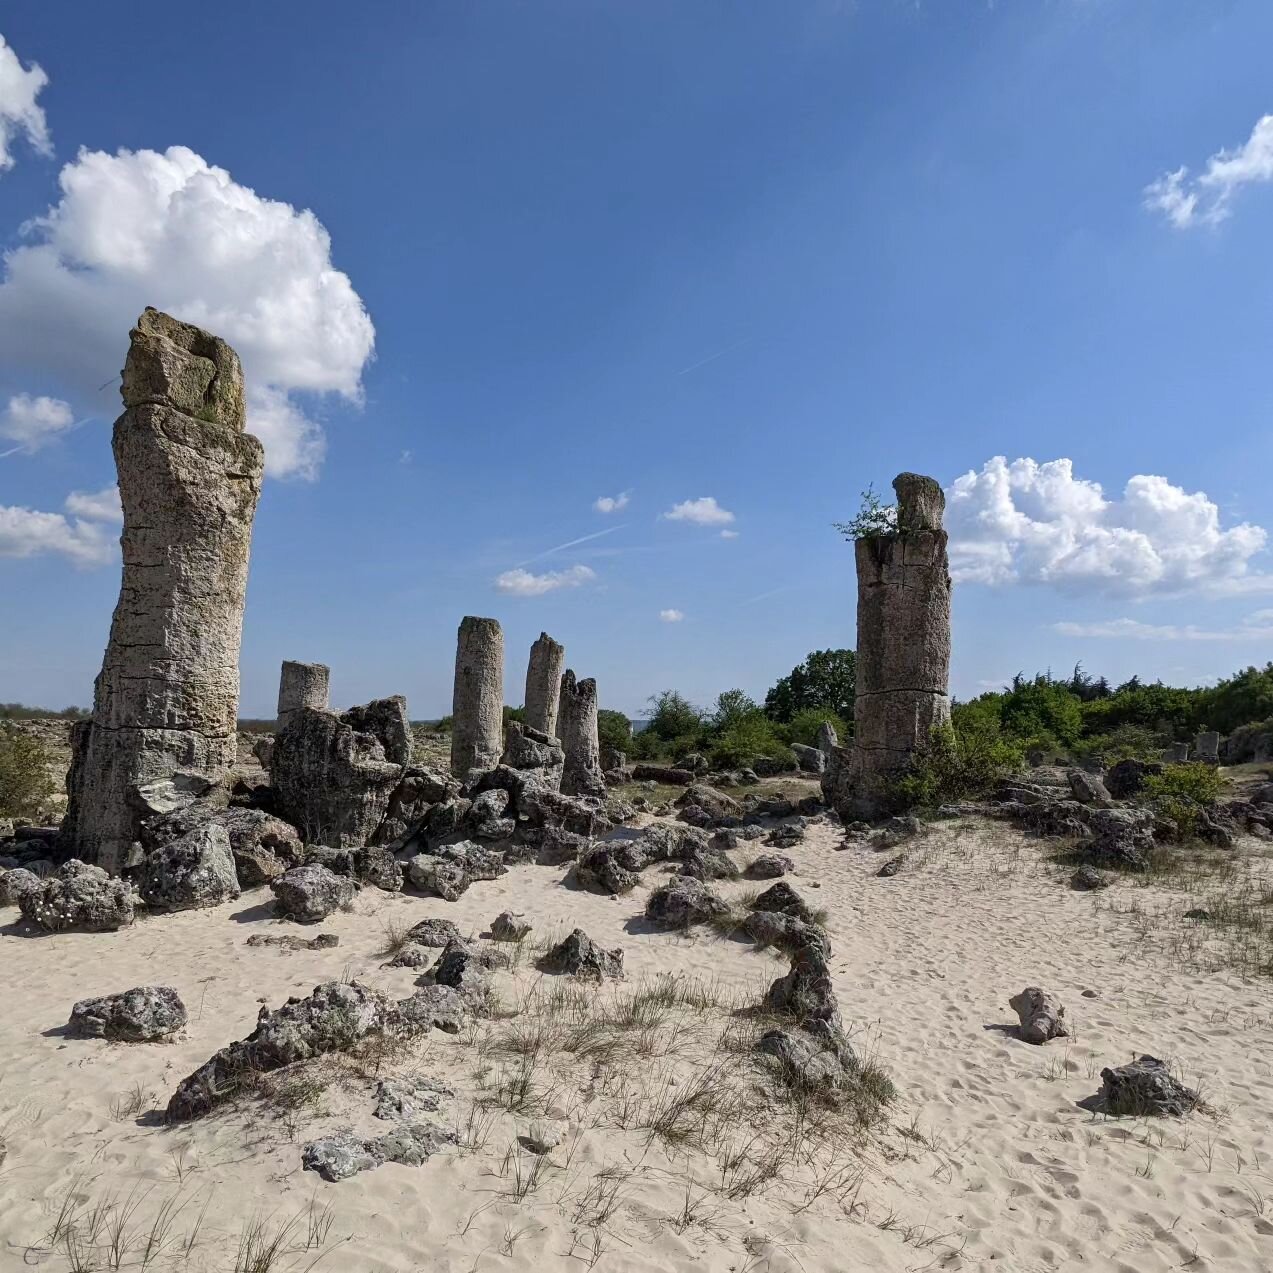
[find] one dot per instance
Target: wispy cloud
(704, 511)
(20, 114)
(522, 583)
(720, 353)
(1205, 199)
(611, 503)
(671, 616)
(34, 422)
(1255, 627)
(729, 534)
(571, 543)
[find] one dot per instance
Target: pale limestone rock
(167, 696)
(582, 774)
(477, 705)
(543, 683)
(302, 685)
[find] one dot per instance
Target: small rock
(1145, 1087)
(1041, 1015)
(769, 866)
(891, 867)
(579, 956)
(311, 893)
(141, 1015)
(1087, 878)
(510, 926)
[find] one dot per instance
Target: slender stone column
(477, 707)
(301, 685)
(903, 650)
(582, 773)
(543, 684)
(167, 698)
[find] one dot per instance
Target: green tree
(614, 729)
(672, 715)
(731, 707)
(826, 679)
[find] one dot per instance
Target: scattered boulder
(463, 967)
(710, 863)
(409, 1096)
(891, 867)
(434, 932)
(683, 903)
(1088, 788)
(311, 893)
(716, 804)
(1127, 778)
(485, 817)
(510, 926)
(344, 1153)
(1087, 878)
(665, 774)
(786, 836)
(783, 899)
(1042, 1015)
(135, 1016)
(80, 897)
(322, 941)
(431, 1007)
(811, 760)
(811, 1059)
(448, 871)
(1145, 1087)
(785, 932)
(579, 956)
(769, 866)
(377, 867)
(15, 882)
(806, 991)
(193, 871)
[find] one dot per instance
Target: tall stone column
(543, 684)
(477, 706)
(903, 650)
(167, 698)
(301, 685)
(582, 773)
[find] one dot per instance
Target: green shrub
(1184, 791)
(25, 784)
(672, 715)
(958, 766)
(803, 726)
(747, 738)
(614, 729)
(1127, 742)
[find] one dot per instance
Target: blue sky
(759, 255)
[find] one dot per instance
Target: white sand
(989, 1161)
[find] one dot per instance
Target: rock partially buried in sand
(323, 941)
(409, 1096)
(685, 902)
(1145, 1087)
(1088, 878)
(311, 893)
(579, 956)
(510, 926)
(140, 1015)
(79, 897)
(1041, 1015)
(14, 883)
(344, 1153)
(334, 1017)
(769, 866)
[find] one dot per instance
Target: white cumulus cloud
(30, 422)
(86, 538)
(1031, 522)
(1205, 199)
(1255, 627)
(704, 511)
(524, 583)
(20, 116)
(611, 503)
(671, 616)
(98, 506)
(171, 230)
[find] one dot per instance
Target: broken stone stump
(579, 956)
(543, 684)
(1041, 1015)
(1145, 1087)
(477, 704)
(167, 697)
(301, 685)
(582, 774)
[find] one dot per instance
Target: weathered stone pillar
(582, 773)
(903, 651)
(167, 698)
(543, 683)
(477, 706)
(1206, 747)
(301, 685)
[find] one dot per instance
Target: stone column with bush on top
(301, 685)
(477, 706)
(166, 701)
(903, 651)
(543, 684)
(582, 774)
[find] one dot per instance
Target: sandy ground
(989, 1161)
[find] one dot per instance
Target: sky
(595, 317)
